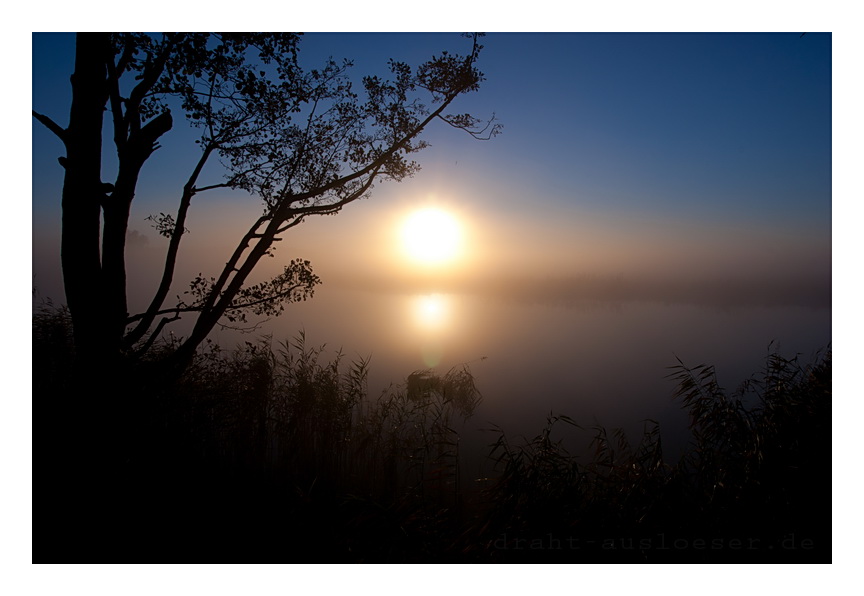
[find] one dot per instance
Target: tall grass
(277, 452)
(755, 484)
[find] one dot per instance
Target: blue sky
(661, 154)
(681, 124)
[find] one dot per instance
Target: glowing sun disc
(431, 236)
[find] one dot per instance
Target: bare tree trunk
(132, 156)
(83, 194)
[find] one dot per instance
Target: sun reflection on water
(431, 311)
(431, 314)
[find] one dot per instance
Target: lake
(599, 362)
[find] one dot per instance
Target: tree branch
(51, 125)
(171, 256)
(466, 122)
(381, 160)
(177, 309)
(120, 124)
(266, 299)
(155, 334)
(149, 77)
(331, 208)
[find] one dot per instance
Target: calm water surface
(599, 363)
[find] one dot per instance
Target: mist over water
(599, 362)
(568, 315)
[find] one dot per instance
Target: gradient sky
(669, 155)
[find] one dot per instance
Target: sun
(431, 236)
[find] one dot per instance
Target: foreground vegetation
(278, 454)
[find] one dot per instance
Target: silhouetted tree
(304, 141)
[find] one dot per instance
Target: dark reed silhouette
(276, 453)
